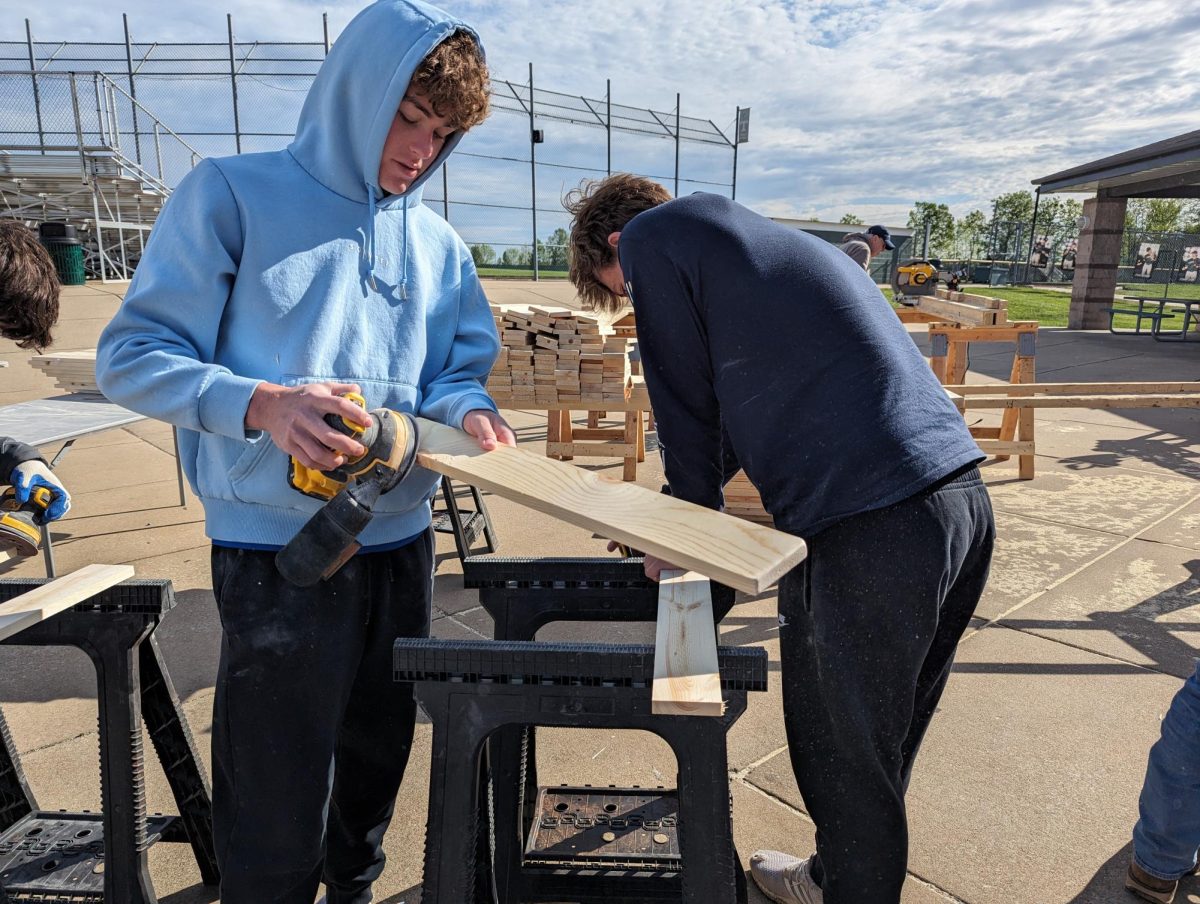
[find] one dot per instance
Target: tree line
(1005, 233)
(552, 254)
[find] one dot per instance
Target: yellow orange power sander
(21, 522)
(350, 492)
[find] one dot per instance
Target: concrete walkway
(1026, 789)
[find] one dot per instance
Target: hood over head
(354, 98)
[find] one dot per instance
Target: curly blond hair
(455, 79)
(599, 208)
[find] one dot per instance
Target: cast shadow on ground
(1142, 627)
(1107, 886)
(189, 638)
(1164, 449)
(193, 894)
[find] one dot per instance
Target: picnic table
(1155, 311)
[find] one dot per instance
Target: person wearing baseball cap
(862, 246)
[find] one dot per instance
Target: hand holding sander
(330, 537)
(21, 522)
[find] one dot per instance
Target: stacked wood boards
(961, 307)
(72, 371)
(550, 356)
(743, 501)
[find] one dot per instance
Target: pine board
(746, 556)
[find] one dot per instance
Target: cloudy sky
(863, 106)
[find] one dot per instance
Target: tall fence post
(37, 97)
(237, 126)
(1037, 199)
(446, 190)
(533, 174)
(101, 127)
(608, 125)
(325, 30)
(137, 140)
(737, 118)
(677, 145)
(78, 130)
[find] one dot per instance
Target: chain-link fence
(502, 190)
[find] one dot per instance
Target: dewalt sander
(21, 522)
(330, 537)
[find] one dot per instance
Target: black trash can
(65, 250)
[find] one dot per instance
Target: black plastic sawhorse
(84, 857)
(466, 525)
(472, 689)
(522, 595)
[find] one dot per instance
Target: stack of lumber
(742, 500)
(72, 371)
(961, 307)
(549, 357)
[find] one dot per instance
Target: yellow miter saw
(915, 279)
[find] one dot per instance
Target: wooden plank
(687, 678)
(912, 315)
(53, 597)
(956, 311)
(1149, 400)
(1023, 389)
(983, 301)
(592, 450)
(1009, 332)
(746, 556)
(1004, 447)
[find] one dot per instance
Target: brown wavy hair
(598, 208)
(455, 79)
(28, 287)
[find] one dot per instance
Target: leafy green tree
(1189, 219)
(1013, 207)
(483, 254)
(1057, 215)
(553, 255)
(971, 233)
(1011, 215)
(850, 219)
(1154, 214)
(941, 234)
(516, 257)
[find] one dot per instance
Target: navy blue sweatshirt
(826, 401)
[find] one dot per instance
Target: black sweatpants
(310, 733)
(868, 628)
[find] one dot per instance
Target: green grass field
(511, 273)
(1049, 307)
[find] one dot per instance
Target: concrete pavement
(1026, 789)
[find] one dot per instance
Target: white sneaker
(784, 878)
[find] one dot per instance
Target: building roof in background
(819, 226)
(1165, 169)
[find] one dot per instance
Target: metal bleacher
(89, 169)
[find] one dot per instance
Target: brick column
(1095, 281)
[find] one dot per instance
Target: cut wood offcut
(748, 557)
(687, 677)
(53, 597)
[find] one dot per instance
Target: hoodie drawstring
(404, 264)
(369, 251)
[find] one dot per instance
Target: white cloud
(863, 106)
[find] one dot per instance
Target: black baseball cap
(882, 232)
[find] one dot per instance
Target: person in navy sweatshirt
(272, 284)
(767, 347)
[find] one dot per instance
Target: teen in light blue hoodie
(271, 284)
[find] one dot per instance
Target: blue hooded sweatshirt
(293, 267)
